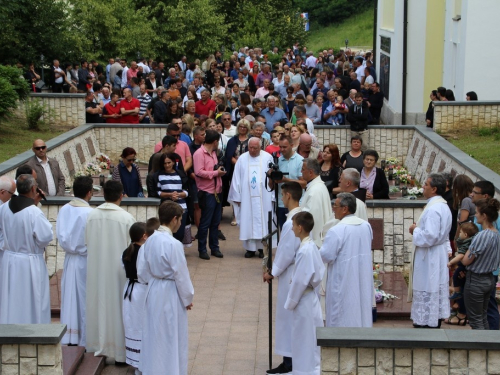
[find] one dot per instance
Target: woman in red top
(111, 112)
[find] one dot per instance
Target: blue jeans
(282, 211)
(211, 212)
(179, 235)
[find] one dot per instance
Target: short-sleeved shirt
(128, 105)
(272, 118)
(91, 117)
(468, 206)
(293, 167)
(205, 108)
(182, 149)
(485, 247)
(109, 109)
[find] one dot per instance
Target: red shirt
(272, 148)
(111, 110)
(204, 109)
(128, 105)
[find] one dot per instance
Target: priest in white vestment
(170, 294)
(304, 301)
(282, 269)
(316, 199)
(70, 230)
(107, 236)
(25, 232)
(430, 277)
(250, 197)
(347, 252)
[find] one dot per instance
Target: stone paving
(228, 325)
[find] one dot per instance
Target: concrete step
(72, 356)
(91, 365)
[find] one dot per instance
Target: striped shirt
(169, 183)
(145, 100)
(485, 247)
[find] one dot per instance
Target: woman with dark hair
(331, 168)
(373, 178)
(354, 157)
(461, 191)
(32, 77)
(481, 260)
(429, 115)
(245, 100)
(190, 72)
(471, 96)
(173, 185)
(173, 111)
(127, 172)
(450, 96)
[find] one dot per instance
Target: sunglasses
(10, 192)
(131, 159)
(40, 148)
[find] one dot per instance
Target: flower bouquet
(90, 170)
(103, 161)
(415, 191)
(392, 161)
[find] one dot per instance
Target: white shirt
(145, 68)
(369, 79)
(360, 71)
(182, 65)
(124, 77)
(51, 186)
(60, 71)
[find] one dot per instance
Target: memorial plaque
(415, 147)
(69, 162)
(79, 151)
(442, 166)
(453, 173)
(422, 154)
(430, 163)
(90, 145)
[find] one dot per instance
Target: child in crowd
(235, 112)
(467, 233)
(338, 119)
(303, 299)
(134, 297)
(366, 92)
(274, 147)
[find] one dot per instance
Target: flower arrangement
(90, 170)
(104, 161)
(392, 161)
(416, 191)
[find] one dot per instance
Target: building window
(385, 74)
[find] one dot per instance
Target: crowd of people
(252, 150)
(441, 94)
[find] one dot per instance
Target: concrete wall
(65, 109)
(31, 359)
(458, 116)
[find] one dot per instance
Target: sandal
(233, 221)
(456, 323)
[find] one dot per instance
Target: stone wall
(32, 349)
(65, 109)
(457, 116)
(431, 153)
(54, 254)
(388, 141)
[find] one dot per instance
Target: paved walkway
(228, 325)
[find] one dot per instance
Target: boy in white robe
(347, 252)
(283, 270)
(303, 299)
(70, 230)
(169, 296)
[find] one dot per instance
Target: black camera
(276, 174)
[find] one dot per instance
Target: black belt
(130, 288)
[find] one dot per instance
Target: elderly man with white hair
(251, 198)
(258, 130)
(7, 188)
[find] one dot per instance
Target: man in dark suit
(358, 118)
(375, 102)
(83, 76)
(49, 176)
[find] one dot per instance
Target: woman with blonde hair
(295, 132)
(187, 125)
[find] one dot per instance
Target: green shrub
(8, 97)
(13, 87)
(34, 110)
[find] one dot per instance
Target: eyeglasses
(226, 119)
(242, 127)
(10, 192)
(40, 148)
(335, 206)
(477, 192)
(131, 159)
(287, 128)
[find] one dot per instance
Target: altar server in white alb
(316, 199)
(134, 297)
(70, 230)
(283, 270)
(303, 299)
(107, 234)
(250, 197)
(24, 293)
(170, 294)
(7, 189)
(429, 275)
(347, 252)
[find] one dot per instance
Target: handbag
(40, 84)
(188, 237)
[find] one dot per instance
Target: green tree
(13, 87)
(31, 28)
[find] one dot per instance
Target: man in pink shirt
(132, 72)
(205, 106)
(209, 183)
(182, 148)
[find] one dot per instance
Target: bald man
(49, 176)
(306, 149)
(7, 189)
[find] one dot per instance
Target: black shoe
(221, 236)
(281, 369)
(261, 253)
(217, 254)
(204, 256)
(249, 254)
(196, 236)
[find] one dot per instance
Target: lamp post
(42, 59)
(138, 56)
(346, 43)
(222, 49)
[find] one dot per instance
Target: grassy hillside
(358, 29)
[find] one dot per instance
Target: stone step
(91, 365)
(72, 356)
